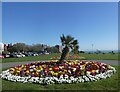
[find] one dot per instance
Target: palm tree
(68, 44)
(75, 50)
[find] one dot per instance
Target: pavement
(110, 62)
(13, 64)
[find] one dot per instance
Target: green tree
(18, 47)
(68, 43)
(12, 49)
(5, 52)
(35, 48)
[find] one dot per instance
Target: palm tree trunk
(67, 56)
(65, 51)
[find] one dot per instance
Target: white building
(1, 47)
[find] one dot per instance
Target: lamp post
(92, 48)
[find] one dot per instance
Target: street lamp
(92, 48)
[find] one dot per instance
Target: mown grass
(47, 57)
(30, 58)
(103, 84)
(106, 56)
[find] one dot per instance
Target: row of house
(4, 47)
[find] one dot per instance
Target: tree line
(22, 47)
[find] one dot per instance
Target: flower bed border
(54, 80)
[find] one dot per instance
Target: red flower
(56, 68)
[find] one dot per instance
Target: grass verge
(47, 57)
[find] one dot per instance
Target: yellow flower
(37, 73)
(18, 71)
(12, 69)
(11, 72)
(62, 66)
(56, 74)
(60, 72)
(93, 70)
(19, 68)
(75, 62)
(63, 73)
(74, 69)
(82, 67)
(27, 71)
(22, 66)
(41, 68)
(33, 73)
(44, 66)
(82, 73)
(97, 66)
(108, 66)
(52, 72)
(72, 63)
(36, 67)
(65, 70)
(16, 68)
(50, 68)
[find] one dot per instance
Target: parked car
(30, 53)
(6, 55)
(1, 56)
(22, 55)
(26, 54)
(16, 55)
(11, 55)
(46, 53)
(34, 54)
(40, 52)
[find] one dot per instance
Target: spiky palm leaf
(68, 43)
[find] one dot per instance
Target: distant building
(9, 45)
(5, 46)
(1, 47)
(43, 47)
(59, 48)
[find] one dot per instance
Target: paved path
(111, 62)
(12, 64)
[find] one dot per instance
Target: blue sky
(90, 23)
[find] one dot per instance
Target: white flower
(69, 71)
(97, 71)
(104, 75)
(69, 63)
(86, 78)
(88, 73)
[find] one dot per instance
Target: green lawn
(30, 58)
(100, 56)
(104, 84)
(47, 57)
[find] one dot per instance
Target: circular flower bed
(72, 71)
